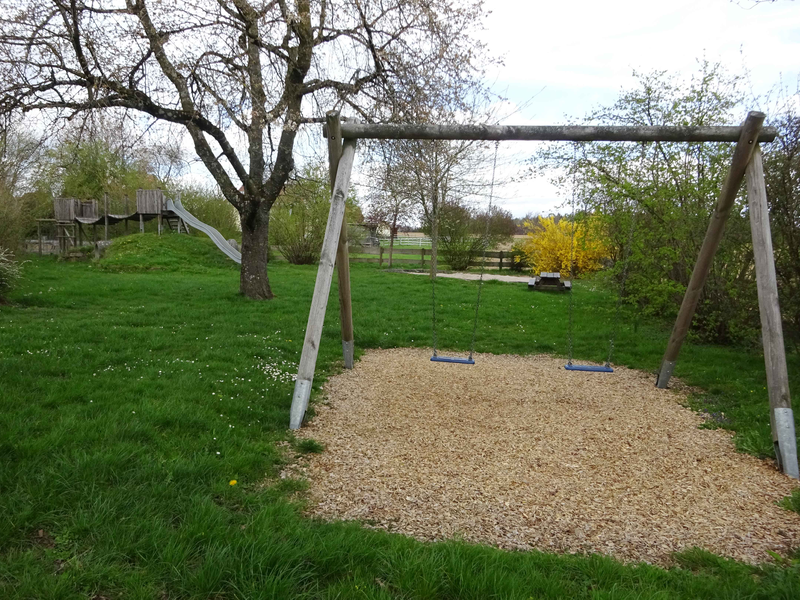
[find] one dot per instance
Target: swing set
(342, 138)
(605, 367)
(469, 360)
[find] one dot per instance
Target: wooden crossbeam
(551, 133)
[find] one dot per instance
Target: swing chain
(433, 297)
(572, 252)
(618, 309)
(483, 257)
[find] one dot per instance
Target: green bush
(299, 217)
(463, 232)
(10, 272)
(655, 200)
(298, 225)
(782, 173)
(20, 205)
(207, 204)
(519, 261)
(12, 218)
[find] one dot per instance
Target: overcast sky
(564, 58)
(570, 56)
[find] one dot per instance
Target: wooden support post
(105, 201)
(159, 223)
(334, 133)
(422, 253)
(94, 233)
(741, 157)
(141, 223)
(380, 256)
(501, 261)
(780, 404)
(39, 234)
(322, 288)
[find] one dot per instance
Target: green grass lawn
(135, 389)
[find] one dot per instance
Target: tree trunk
(253, 280)
(392, 233)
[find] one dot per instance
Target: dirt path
(519, 453)
(477, 276)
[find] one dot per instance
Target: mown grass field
(134, 390)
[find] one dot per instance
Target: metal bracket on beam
(347, 351)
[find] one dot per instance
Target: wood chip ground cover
(519, 453)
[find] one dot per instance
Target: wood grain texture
(334, 135)
(149, 202)
(322, 287)
(571, 133)
(716, 226)
(769, 308)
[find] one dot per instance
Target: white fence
(413, 242)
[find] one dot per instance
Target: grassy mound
(168, 252)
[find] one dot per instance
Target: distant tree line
(94, 161)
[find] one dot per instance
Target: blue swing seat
(448, 359)
(592, 368)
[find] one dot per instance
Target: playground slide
(215, 235)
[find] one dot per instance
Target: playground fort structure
(342, 137)
(71, 215)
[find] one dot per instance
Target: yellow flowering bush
(547, 247)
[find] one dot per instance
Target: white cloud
(573, 55)
(562, 59)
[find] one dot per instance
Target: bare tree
(241, 76)
(20, 161)
(433, 173)
(20, 153)
(391, 203)
(436, 173)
